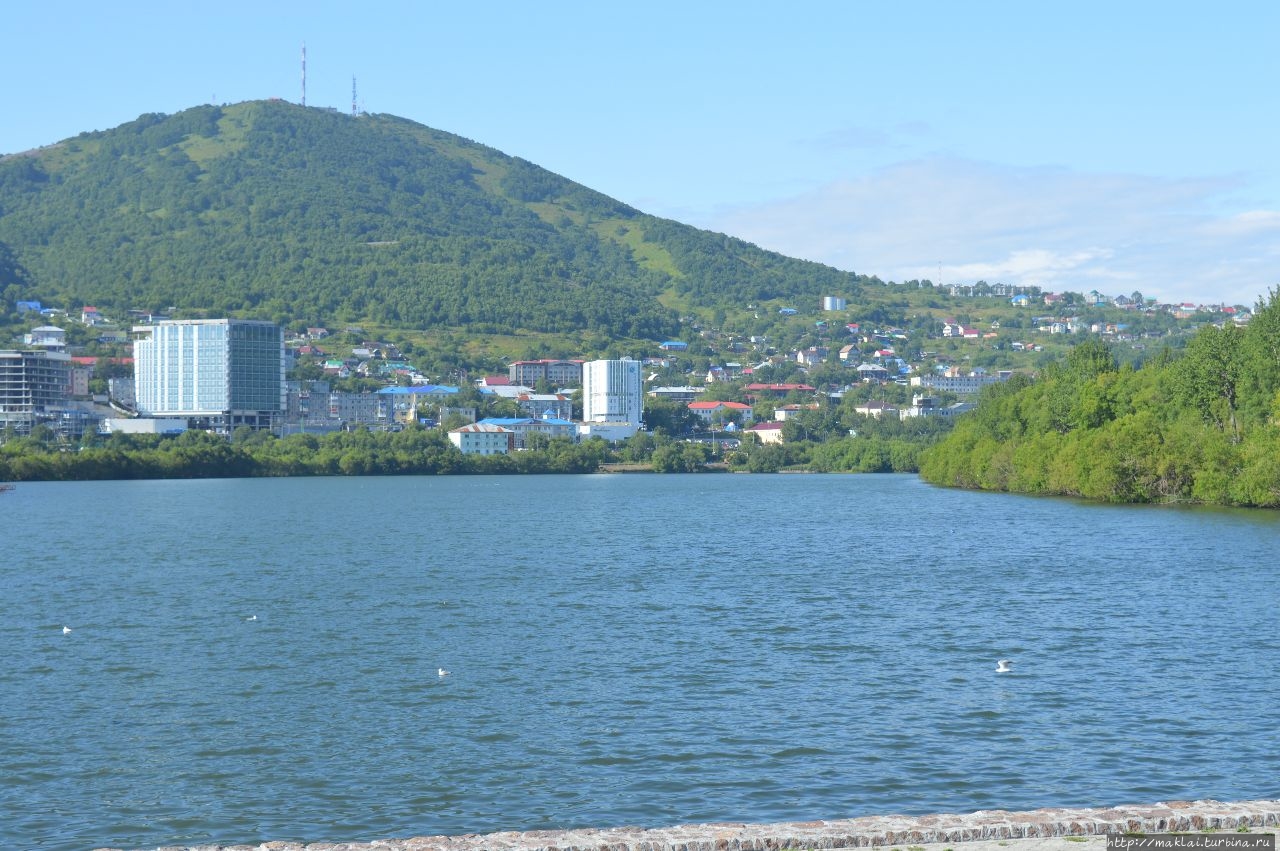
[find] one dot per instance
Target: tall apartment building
(32, 386)
(218, 373)
(611, 392)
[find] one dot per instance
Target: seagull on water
(441, 672)
(66, 630)
(1004, 666)
(252, 618)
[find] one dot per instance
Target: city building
(522, 427)
(555, 405)
(612, 392)
(962, 384)
(33, 388)
(47, 337)
(721, 412)
(483, 439)
(677, 394)
(782, 413)
(220, 374)
(400, 404)
(557, 373)
(769, 432)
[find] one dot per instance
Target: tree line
(1202, 427)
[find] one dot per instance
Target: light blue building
(218, 373)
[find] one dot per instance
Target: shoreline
(1049, 829)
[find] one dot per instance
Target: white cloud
(1051, 227)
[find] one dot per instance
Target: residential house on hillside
(953, 329)
(876, 408)
(872, 373)
(812, 356)
(46, 337)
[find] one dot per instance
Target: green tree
(1210, 373)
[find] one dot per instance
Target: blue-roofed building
(400, 404)
(522, 427)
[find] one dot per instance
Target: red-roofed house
(711, 410)
(766, 432)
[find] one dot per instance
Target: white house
(482, 439)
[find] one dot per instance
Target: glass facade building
(219, 373)
(611, 392)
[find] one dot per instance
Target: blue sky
(1077, 146)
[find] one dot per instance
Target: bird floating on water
(252, 618)
(1004, 666)
(66, 630)
(441, 672)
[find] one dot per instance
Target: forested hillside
(1203, 427)
(272, 210)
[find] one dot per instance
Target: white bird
(66, 630)
(1003, 666)
(441, 672)
(252, 618)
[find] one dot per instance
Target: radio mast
(304, 73)
(355, 111)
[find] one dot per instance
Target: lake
(259, 659)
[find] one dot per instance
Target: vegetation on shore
(1200, 428)
(421, 451)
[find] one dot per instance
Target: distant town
(221, 375)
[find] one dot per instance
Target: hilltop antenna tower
(304, 73)
(355, 111)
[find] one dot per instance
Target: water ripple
(627, 657)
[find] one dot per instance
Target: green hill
(271, 210)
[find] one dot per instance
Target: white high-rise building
(612, 392)
(219, 373)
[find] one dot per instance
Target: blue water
(642, 650)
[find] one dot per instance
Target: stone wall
(868, 831)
